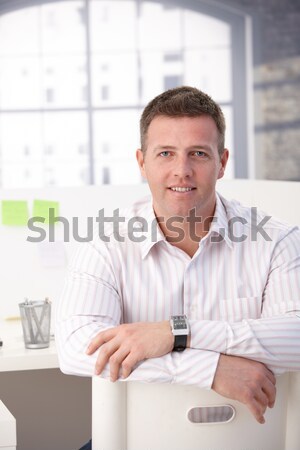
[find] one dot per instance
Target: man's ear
(223, 163)
(140, 157)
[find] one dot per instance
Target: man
(238, 284)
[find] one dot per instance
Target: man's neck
(188, 232)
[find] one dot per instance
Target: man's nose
(183, 167)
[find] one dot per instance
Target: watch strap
(180, 343)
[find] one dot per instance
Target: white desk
(52, 410)
(14, 355)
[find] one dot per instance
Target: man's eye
(199, 153)
(165, 153)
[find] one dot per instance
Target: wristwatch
(180, 329)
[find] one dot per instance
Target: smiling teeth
(181, 189)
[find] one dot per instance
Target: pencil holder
(36, 317)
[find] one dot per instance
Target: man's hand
(247, 381)
(125, 345)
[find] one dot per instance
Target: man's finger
(106, 351)
(257, 410)
(262, 400)
(115, 362)
(128, 365)
(100, 339)
(270, 391)
(271, 376)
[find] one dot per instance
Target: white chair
(8, 434)
(138, 416)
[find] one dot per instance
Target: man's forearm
(272, 341)
(249, 382)
(191, 367)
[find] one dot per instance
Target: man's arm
(90, 304)
(247, 381)
(273, 339)
(123, 347)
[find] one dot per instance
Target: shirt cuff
(208, 335)
(195, 367)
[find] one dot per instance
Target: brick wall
(276, 55)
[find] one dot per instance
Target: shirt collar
(153, 233)
(219, 226)
(217, 233)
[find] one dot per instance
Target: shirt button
(193, 310)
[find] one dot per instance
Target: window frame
(240, 25)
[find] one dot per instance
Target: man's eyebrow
(193, 147)
(165, 147)
(201, 147)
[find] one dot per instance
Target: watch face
(179, 323)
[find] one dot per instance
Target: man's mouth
(181, 189)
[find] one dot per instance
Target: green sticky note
(14, 212)
(46, 209)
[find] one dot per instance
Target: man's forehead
(196, 132)
(162, 123)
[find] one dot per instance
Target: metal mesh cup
(36, 318)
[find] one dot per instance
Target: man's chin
(182, 213)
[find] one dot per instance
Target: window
(76, 76)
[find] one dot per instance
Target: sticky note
(14, 212)
(41, 208)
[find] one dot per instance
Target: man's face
(182, 165)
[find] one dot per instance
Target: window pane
(26, 40)
(66, 153)
(42, 71)
(62, 27)
(116, 134)
(115, 80)
(167, 73)
(117, 172)
(172, 81)
(203, 31)
(66, 174)
(210, 71)
(21, 138)
(113, 25)
(47, 146)
(19, 174)
(21, 150)
(64, 81)
(20, 82)
(159, 28)
(116, 140)
(65, 138)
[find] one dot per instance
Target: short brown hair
(183, 101)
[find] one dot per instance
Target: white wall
(22, 274)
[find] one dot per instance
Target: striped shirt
(240, 292)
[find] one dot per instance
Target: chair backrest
(135, 416)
